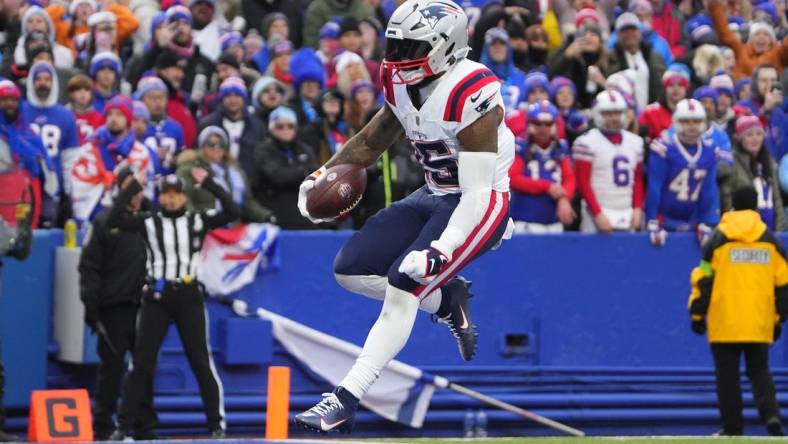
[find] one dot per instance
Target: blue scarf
(110, 147)
(26, 147)
(231, 180)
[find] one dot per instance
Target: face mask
(520, 57)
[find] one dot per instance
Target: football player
(609, 169)
(682, 177)
(451, 110)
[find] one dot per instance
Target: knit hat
(9, 89)
(102, 60)
(281, 47)
(496, 34)
(587, 14)
(157, 20)
(261, 85)
(768, 10)
(745, 198)
(231, 38)
(701, 30)
(358, 85)
(179, 12)
(329, 31)
(150, 83)
(706, 92)
(305, 65)
(40, 68)
(347, 58)
(757, 27)
(349, 24)
(72, 8)
(641, 7)
(627, 20)
(722, 83)
(282, 114)
(673, 77)
(737, 24)
(740, 84)
(559, 82)
(536, 79)
(232, 85)
(101, 17)
(140, 111)
(269, 20)
(745, 123)
(122, 103)
(211, 3)
(213, 130)
(226, 58)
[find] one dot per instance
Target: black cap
(168, 59)
(171, 182)
(745, 198)
(226, 58)
(349, 24)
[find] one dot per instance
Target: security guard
(111, 275)
(173, 237)
(740, 291)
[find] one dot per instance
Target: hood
(744, 225)
(502, 70)
(33, 10)
(53, 94)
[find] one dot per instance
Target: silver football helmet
(423, 39)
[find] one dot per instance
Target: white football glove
(704, 233)
(422, 266)
(303, 191)
(656, 234)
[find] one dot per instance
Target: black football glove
(699, 327)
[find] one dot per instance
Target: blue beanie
(306, 65)
(282, 113)
(740, 84)
(232, 85)
(140, 111)
(179, 12)
(231, 38)
(536, 79)
(706, 92)
(106, 59)
(157, 21)
(150, 83)
(558, 83)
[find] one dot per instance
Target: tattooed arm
(377, 136)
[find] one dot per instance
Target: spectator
(582, 59)
(632, 52)
(328, 133)
(291, 11)
(103, 36)
(563, 94)
(170, 69)
(328, 43)
(706, 61)
(761, 46)
(497, 55)
(542, 179)
(213, 155)
(359, 104)
(72, 23)
(609, 170)
(308, 81)
(36, 19)
(275, 29)
(743, 89)
(535, 58)
(207, 27)
(321, 11)
(350, 41)
(243, 129)
(624, 83)
(279, 68)
(145, 11)
(350, 68)
(282, 161)
(742, 300)
(53, 122)
(106, 71)
(267, 95)
(227, 66)
(753, 166)
(140, 123)
(668, 22)
(682, 177)
(111, 276)
(767, 96)
(658, 116)
(710, 100)
(537, 88)
(493, 15)
(371, 48)
(164, 136)
(723, 85)
(80, 102)
(32, 155)
(177, 38)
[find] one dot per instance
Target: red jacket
(178, 111)
(656, 118)
(669, 25)
(87, 123)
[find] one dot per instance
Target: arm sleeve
(583, 173)
(639, 187)
(524, 184)
(568, 177)
(119, 218)
(230, 211)
(656, 178)
(700, 296)
(720, 23)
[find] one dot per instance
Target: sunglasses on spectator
(282, 126)
(214, 145)
(540, 123)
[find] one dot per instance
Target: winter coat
(321, 11)
(618, 62)
(254, 132)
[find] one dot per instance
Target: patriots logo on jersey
(434, 12)
(482, 107)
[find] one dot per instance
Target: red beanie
(9, 89)
(745, 123)
(124, 104)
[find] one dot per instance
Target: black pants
(184, 305)
(120, 322)
(726, 363)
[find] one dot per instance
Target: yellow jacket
(741, 285)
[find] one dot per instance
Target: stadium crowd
(262, 92)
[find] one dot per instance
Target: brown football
(337, 191)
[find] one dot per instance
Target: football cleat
(458, 318)
(328, 415)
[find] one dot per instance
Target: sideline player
(451, 110)
(682, 177)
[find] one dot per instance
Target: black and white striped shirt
(173, 240)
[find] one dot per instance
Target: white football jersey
(465, 93)
(612, 166)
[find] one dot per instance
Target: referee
(173, 237)
(740, 295)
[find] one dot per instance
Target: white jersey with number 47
(466, 92)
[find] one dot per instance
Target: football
(337, 191)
